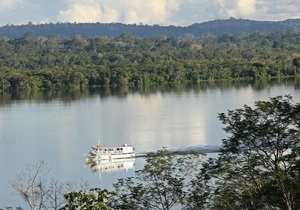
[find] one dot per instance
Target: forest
(42, 63)
(217, 27)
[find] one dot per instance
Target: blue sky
(162, 12)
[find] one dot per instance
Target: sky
(161, 12)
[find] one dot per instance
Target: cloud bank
(255, 9)
(233, 8)
(162, 12)
(131, 11)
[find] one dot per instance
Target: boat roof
(109, 147)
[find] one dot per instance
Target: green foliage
(94, 199)
(259, 167)
(161, 184)
(52, 62)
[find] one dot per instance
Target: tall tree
(161, 184)
(259, 167)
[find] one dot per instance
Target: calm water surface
(60, 127)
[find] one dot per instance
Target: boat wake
(200, 149)
(99, 166)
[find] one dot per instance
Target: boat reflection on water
(112, 165)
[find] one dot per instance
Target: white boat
(98, 152)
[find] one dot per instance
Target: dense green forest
(32, 63)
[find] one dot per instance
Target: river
(59, 127)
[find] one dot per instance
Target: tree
(161, 184)
(94, 199)
(259, 167)
(296, 62)
(4, 84)
(32, 185)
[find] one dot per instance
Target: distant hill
(231, 26)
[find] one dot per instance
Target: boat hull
(108, 156)
(98, 153)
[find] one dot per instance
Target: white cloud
(279, 9)
(233, 8)
(79, 12)
(131, 17)
(255, 9)
(131, 11)
(9, 4)
(155, 11)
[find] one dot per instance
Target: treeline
(30, 63)
(217, 27)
